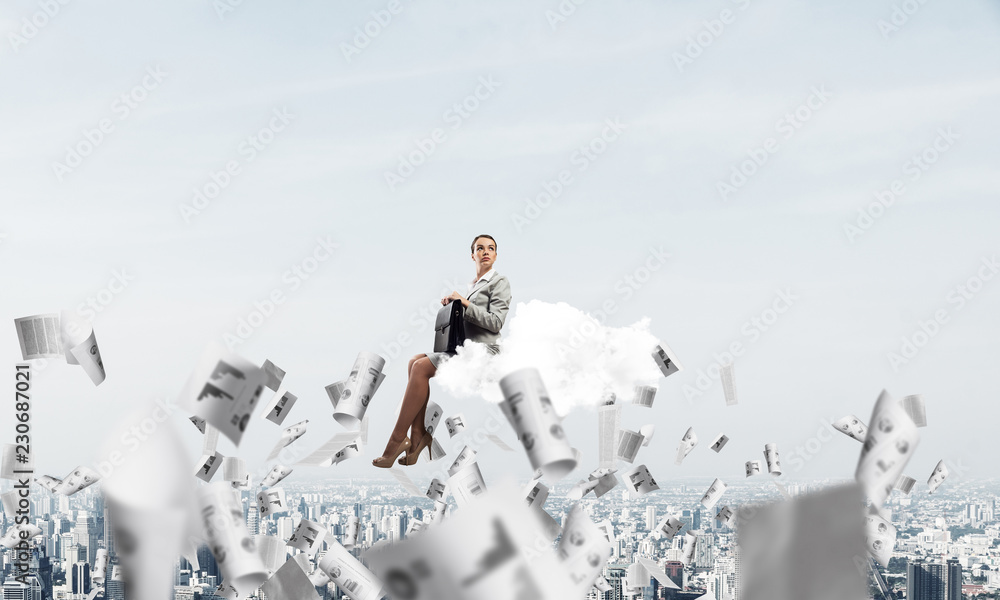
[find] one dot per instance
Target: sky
(833, 161)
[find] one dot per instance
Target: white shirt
(487, 276)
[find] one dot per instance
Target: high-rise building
(393, 531)
(650, 518)
(85, 532)
(675, 571)
(286, 526)
(608, 422)
(722, 580)
(45, 525)
(66, 542)
(114, 587)
(934, 581)
(15, 590)
(687, 519)
(80, 582)
(253, 519)
(206, 561)
(52, 546)
(41, 567)
(109, 537)
(615, 575)
(704, 552)
(45, 506)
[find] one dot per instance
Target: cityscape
(946, 547)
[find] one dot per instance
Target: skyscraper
(85, 532)
(15, 590)
(207, 561)
(704, 554)
(608, 423)
(109, 538)
(285, 528)
(81, 578)
(67, 548)
(253, 519)
(650, 518)
(675, 571)
(615, 575)
(41, 566)
(934, 581)
(114, 587)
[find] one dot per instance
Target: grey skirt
(438, 358)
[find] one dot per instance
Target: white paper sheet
(224, 389)
(892, 438)
(530, 412)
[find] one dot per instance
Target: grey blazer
(487, 310)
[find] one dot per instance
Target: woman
(485, 310)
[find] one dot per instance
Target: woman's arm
(492, 318)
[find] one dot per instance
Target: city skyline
(385, 510)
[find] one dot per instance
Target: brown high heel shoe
(411, 457)
(385, 462)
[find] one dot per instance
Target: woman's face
(484, 252)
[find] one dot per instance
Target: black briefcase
(449, 328)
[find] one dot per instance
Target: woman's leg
(417, 427)
(421, 369)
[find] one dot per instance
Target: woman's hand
(455, 296)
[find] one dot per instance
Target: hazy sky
(837, 104)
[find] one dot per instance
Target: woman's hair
(482, 235)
